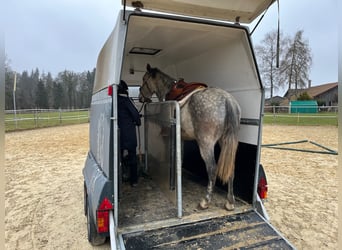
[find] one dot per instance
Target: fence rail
(287, 109)
(325, 115)
(38, 118)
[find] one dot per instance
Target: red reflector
(110, 90)
(102, 221)
(105, 204)
(103, 215)
(262, 188)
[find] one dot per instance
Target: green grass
(31, 120)
(316, 119)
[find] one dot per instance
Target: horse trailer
(198, 41)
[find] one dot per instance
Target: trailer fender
(97, 186)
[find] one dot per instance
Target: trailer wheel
(93, 237)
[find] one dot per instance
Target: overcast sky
(54, 35)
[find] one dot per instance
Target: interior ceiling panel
(177, 40)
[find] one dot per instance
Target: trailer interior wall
(213, 53)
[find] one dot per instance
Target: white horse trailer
(199, 41)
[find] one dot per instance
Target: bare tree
(298, 62)
(272, 76)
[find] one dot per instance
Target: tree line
(68, 90)
(295, 61)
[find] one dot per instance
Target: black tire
(93, 237)
(85, 200)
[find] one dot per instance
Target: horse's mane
(165, 78)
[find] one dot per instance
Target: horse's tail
(229, 144)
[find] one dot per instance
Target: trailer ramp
(241, 231)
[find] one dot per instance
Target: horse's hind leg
(207, 153)
(230, 196)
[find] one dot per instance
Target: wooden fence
(38, 118)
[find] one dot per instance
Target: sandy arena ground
(44, 187)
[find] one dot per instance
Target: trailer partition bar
(178, 161)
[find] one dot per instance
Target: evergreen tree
(22, 91)
(69, 82)
(58, 96)
(35, 90)
(41, 96)
(9, 82)
(48, 80)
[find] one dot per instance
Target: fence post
(15, 111)
(297, 118)
(35, 115)
(60, 116)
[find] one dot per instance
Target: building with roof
(325, 94)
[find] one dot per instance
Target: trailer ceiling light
(144, 51)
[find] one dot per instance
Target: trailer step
(241, 231)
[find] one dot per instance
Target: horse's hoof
(203, 204)
(229, 206)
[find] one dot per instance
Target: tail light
(262, 188)
(103, 215)
(110, 90)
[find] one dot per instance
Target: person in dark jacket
(128, 119)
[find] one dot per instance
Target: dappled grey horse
(210, 115)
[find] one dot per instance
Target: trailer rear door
(244, 11)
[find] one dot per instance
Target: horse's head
(155, 82)
(147, 88)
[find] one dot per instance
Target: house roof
(318, 90)
(313, 91)
(274, 99)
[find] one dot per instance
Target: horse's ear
(148, 67)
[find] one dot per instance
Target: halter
(148, 88)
